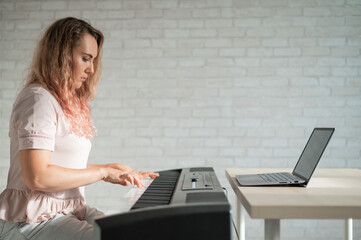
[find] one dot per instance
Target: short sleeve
(35, 120)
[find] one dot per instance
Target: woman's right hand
(121, 177)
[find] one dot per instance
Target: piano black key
(149, 201)
(162, 192)
(146, 205)
(158, 192)
(165, 180)
(161, 188)
(150, 197)
(167, 183)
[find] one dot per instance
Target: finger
(149, 174)
(133, 179)
(124, 182)
(153, 175)
(129, 178)
(138, 182)
(143, 174)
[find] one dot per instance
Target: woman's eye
(85, 59)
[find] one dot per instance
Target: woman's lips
(83, 79)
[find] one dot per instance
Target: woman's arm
(112, 165)
(40, 175)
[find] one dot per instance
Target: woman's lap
(59, 227)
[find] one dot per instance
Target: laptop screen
(312, 152)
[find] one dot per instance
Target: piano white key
(134, 194)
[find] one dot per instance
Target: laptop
(304, 168)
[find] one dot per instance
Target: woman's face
(83, 59)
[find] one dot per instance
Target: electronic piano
(181, 204)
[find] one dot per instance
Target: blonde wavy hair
(52, 67)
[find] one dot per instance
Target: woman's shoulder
(35, 91)
(36, 95)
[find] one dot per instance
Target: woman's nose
(90, 69)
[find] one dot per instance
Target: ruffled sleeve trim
(33, 206)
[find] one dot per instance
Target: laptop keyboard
(276, 177)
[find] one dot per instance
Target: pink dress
(38, 122)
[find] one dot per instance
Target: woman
(50, 132)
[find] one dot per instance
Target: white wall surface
(222, 83)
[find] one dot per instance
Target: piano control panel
(198, 184)
(197, 181)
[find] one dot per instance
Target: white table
(331, 194)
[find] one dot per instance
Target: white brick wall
(231, 83)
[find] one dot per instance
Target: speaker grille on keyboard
(201, 169)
